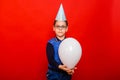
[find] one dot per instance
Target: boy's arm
(50, 55)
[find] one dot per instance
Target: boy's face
(60, 28)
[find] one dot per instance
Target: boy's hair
(64, 21)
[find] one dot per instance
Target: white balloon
(70, 52)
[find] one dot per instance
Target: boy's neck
(61, 38)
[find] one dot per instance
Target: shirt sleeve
(50, 55)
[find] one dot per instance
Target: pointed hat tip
(61, 4)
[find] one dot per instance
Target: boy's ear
(67, 29)
(53, 28)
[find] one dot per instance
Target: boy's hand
(64, 68)
(72, 71)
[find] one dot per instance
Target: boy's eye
(60, 26)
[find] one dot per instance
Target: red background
(26, 25)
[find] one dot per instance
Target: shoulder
(52, 40)
(49, 45)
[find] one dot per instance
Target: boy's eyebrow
(60, 25)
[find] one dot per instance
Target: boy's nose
(60, 28)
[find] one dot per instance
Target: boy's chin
(60, 35)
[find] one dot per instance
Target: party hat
(60, 15)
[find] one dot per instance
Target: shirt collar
(59, 39)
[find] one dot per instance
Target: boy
(56, 70)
